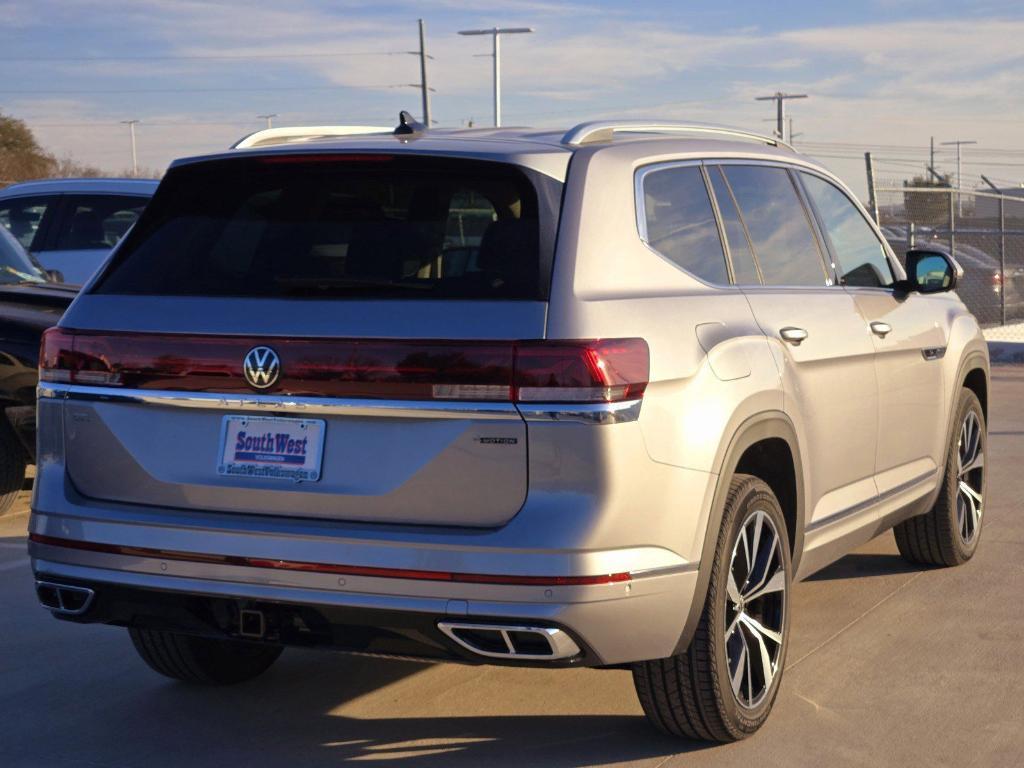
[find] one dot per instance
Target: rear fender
(763, 426)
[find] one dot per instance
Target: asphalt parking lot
(888, 665)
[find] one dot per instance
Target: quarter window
(23, 217)
(780, 231)
(681, 222)
(858, 251)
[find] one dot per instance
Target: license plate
(272, 448)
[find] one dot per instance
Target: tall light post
(496, 33)
(269, 118)
(959, 172)
(135, 157)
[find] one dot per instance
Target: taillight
(59, 360)
(591, 371)
(600, 371)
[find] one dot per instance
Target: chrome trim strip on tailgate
(586, 413)
(283, 403)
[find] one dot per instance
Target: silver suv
(502, 396)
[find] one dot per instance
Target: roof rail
(270, 136)
(604, 130)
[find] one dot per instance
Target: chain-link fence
(984, 232)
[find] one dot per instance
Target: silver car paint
(867, 421)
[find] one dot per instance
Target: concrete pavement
(888, 665)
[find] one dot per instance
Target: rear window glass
(360, 226)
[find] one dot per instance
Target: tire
(949, 532)
(691, 694)
(203, 660)
(12, 466)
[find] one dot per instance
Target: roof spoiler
(296, 134)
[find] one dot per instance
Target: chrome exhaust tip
(511, 641)
(64, 598)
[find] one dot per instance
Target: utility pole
(135, 157)
(931, 156)
(496, 33)
(1002, 247)
(959, 172)
(269, 118)
(424, 88)
(780, 99)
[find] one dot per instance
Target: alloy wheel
(970, 471)
(755, 609)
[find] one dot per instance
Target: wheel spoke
(732, 626)
(750, 673)
(751, 588)
(741, 666)
(978, 462)
(767, 670)
(760, 630)
(732, 589)
(969, 492)
(777, 583)
(742, 541)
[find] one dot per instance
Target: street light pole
(135, 158)
(496, 33)
(959, 173)
(269, 118)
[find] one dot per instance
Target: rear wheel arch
(757, 447)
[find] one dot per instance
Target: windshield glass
(16, 266)
(350, 226)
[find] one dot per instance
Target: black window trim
(830, 246)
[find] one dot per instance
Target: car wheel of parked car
(203, 659)
(723, 686)
(12, 466)
(949, 533)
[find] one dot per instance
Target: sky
(882, 75)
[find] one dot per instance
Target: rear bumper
(611, 623)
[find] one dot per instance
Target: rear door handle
(793, 335)
(880, 329)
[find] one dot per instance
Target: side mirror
(931, 272)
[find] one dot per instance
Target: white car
(70, 225)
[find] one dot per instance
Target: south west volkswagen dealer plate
(273, 448)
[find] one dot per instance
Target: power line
(208, 90)
(207, 57)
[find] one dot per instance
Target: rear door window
(364, 226)
(96, 222)
(25, 217)
(858, 251)
(680, 222)
(780, 230)
(743, 265)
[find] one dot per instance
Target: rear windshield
(359, 226)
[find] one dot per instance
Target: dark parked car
(30, 302)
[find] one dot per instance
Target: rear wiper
(327, 283)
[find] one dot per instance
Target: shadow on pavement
(860, 564)
(291, 716)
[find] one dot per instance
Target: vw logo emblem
(261, 367)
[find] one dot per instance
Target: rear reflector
(587, 371)
(345, 570)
